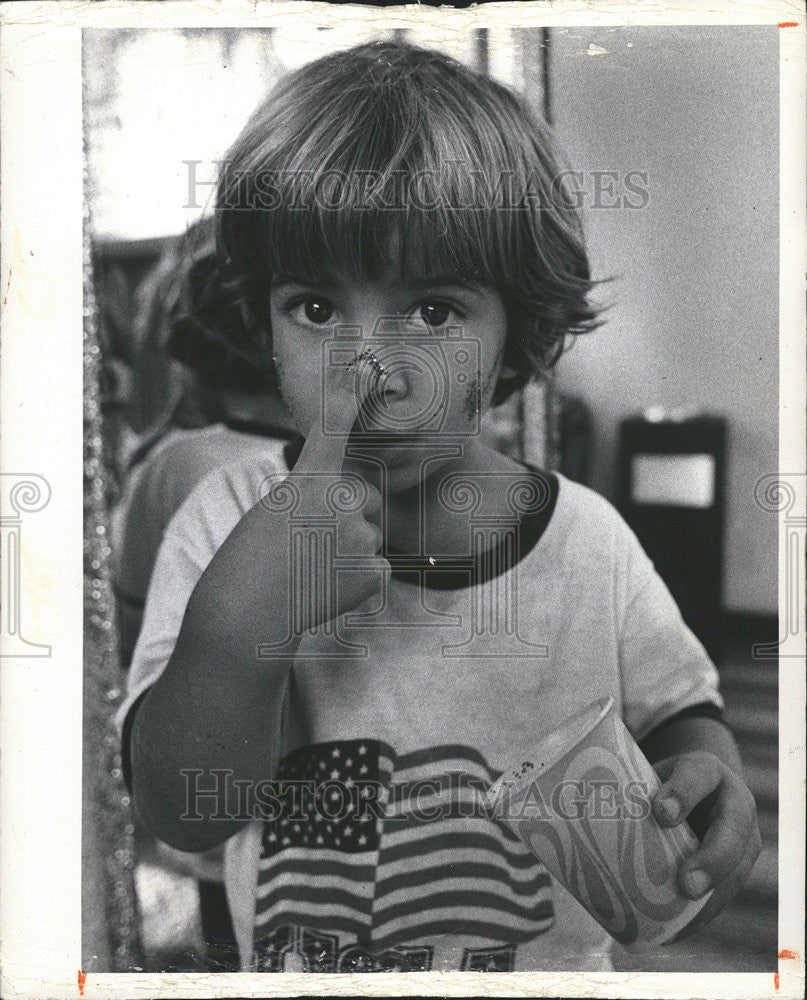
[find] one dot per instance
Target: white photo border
(40, 791)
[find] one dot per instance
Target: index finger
(687, 780)
(342, 396)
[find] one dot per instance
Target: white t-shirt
(433, 692)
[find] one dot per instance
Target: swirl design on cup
(623, 870)
(568, 856)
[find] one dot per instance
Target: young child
(336, 658)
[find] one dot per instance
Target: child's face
(433, 361)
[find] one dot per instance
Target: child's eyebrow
(447, 281)
(431, 282)
(320, 281)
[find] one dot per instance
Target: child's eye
(312, 310)
(435, 313)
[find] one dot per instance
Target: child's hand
(731, 842)
(327, 491)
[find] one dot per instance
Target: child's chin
(404, 465)
(410, 474)
(403, 477)
(400, 472)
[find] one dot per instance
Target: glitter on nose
(368, 356)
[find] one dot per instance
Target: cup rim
(553, 740)
(509, 783)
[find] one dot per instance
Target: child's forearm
(213, 717)
(200, 750)
(689, 734)
(215, 712)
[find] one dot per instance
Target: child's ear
(507, 372)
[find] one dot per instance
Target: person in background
(223, 385)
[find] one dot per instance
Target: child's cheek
(299, 389)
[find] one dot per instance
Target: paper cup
(583, 808)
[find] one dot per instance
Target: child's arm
(697, 760)
(214, 714)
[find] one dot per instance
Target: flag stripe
(310, 894)
(445, 855)
(327, 921)
(437, 755)
(489, 895)
(472, 871)
(313, 914)
(432, 807)
(402, 824)
(464, 788)
(299, 880)
(400, 846)
(454, 777)
(429, 929)
(457, 898)
(311, 865)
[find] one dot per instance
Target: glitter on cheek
(486, 388)
(492, 375)
(281, 375)
(283, 386)
(473, 399)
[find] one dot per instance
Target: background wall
(156, 98)
(694, 317)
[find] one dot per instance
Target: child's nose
(395, 385)
(388, 370)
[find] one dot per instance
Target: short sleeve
(177, 569)
(191, 539)
(664, 668)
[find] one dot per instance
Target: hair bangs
(327, 227)
(381, 180)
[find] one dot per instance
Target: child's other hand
(730, 842)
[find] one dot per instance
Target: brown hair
(390, 155)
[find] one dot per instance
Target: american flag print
(376, 854)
